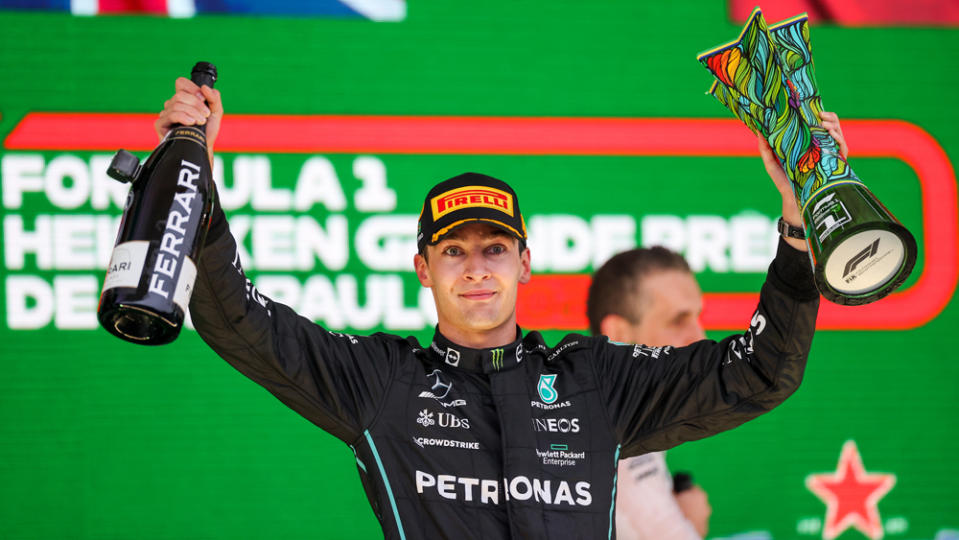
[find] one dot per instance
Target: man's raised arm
(336, 381)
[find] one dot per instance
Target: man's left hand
(791, 214)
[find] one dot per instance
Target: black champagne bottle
(148, 284)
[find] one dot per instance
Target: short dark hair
(615, 286)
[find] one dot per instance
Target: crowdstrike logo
(423, 442)
(520, 488)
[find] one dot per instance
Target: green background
(102, 439)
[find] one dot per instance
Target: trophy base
(860, 252)
(864, 267)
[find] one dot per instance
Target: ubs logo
(425, 418)
(448, 420)
(445, 420)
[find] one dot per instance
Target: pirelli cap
(465, 198)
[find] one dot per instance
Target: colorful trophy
(859, 251)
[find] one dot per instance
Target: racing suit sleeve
(658, 398)
(646, 508)
(336, 381)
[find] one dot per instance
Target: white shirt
(645, 506)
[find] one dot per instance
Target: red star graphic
(851, 495)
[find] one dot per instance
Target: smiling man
(472, 243)
(489, 432)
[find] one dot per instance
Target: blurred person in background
(649, 296)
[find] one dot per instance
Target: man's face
(670, 316)
(474, 273)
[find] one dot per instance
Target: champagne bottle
(148, 284)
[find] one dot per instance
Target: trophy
(859, 251)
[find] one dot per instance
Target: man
(489, 433)
(650, 296)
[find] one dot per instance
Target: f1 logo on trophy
(859, 251)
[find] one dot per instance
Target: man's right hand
(192, 105)
(694, 504)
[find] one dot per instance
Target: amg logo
(860, 257)
(452, 403)
(440, 389)
(471, 196)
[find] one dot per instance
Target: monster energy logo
(497, 357)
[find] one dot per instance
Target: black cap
(465, 198)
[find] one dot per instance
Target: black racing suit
(520, 441)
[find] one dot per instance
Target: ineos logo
(556, 425)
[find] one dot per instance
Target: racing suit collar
(478, 360)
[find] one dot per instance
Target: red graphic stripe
(156, 7)
(558, 301)
(853, 12)
(400, 135)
